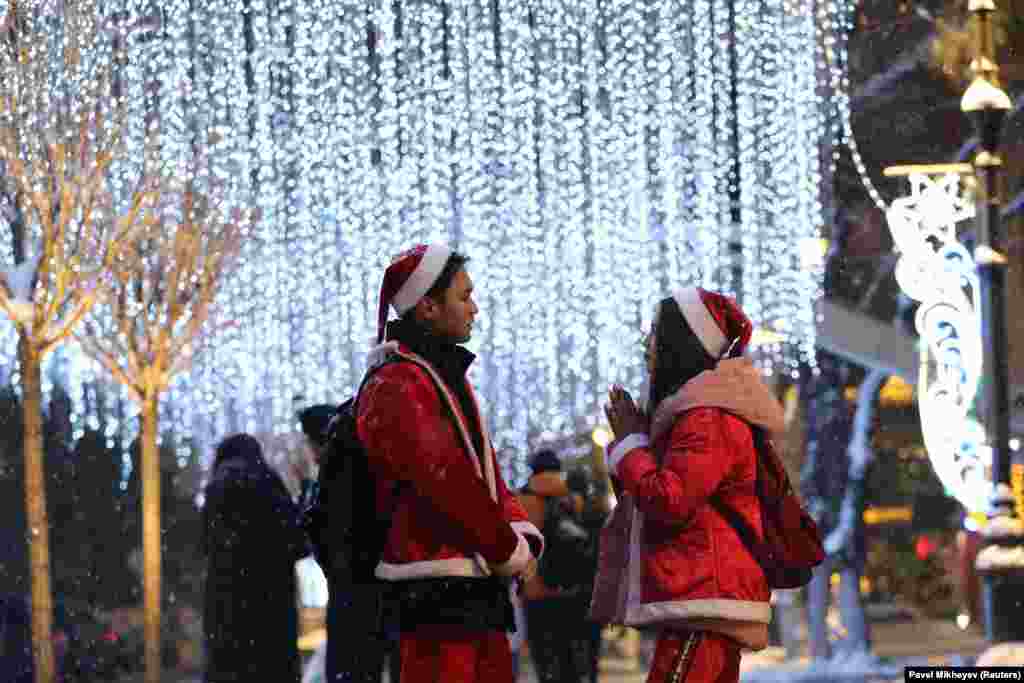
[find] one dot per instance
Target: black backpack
(348, 537)
(347, 532)
(570, 549)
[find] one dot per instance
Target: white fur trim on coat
(528, 529)
(421, 279)
(700, 321)
(623, 447)
(520, 558)
(456, 566)
(379, 353)
(712, 608)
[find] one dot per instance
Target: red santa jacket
(694, 571)
(454, 515)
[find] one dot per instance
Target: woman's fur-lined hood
(735, 386)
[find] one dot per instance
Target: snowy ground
(897, 645)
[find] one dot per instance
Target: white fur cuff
(623, 447)
(379, 353)
(519, 560)
(533, 533)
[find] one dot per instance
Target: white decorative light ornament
(589, 157)
(937, 271)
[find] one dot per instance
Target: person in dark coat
(563, 642)
(252, 537)
(15, 638)
(315, 420)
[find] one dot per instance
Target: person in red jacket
(458, 538)
(690, 575)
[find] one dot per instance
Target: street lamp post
(1001, 561)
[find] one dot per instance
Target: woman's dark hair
(454, 264)
(238, 445)
(678, 355)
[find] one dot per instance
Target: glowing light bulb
(602, 436)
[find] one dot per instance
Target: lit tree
(155, 317)
(59, 124)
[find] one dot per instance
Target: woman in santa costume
(459, 538)
(689, 575)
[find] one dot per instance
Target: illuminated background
(588, 156)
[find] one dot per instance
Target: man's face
(451, 316)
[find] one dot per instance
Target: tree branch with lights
(60, 123)
(155, 317)
(158, 311)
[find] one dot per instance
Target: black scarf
(451, 362)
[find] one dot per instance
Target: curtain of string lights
(587, 155)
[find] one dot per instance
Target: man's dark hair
(455, 263)
(314, 420)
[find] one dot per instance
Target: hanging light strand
(585, 155)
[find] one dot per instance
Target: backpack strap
(391, 359)
(443, 392)
(743, 529)
(740, 526)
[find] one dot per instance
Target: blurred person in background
(252, 538)
(564, 644)
(315, 420)
(593, 490)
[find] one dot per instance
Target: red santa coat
(694, 571)
(456, 517)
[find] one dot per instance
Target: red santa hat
(407, 280)
(716, 320)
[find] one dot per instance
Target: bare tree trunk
(151, 538)
(38, 524)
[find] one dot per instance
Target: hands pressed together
(624, 416)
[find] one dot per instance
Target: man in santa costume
(459, 539)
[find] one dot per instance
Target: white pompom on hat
(407, 280)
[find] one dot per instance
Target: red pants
(449, 654)
(695, 657)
